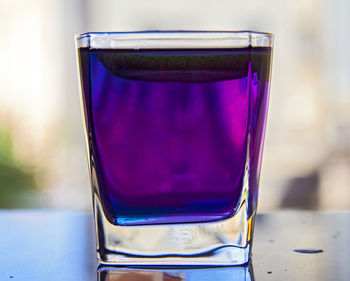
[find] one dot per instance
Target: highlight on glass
(175, 125)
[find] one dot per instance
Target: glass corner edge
(261, 39)
(83, 40)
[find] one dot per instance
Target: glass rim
(173, 39)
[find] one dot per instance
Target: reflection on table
(238, 273)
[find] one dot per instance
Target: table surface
(59, 245)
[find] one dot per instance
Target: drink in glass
(175, 125)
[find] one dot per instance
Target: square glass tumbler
(175, 125)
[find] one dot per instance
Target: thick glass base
(222, 243)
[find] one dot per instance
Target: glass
(175, 123)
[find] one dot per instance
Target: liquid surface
(172, 132)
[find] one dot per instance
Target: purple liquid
(171, 131)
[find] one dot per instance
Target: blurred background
(306, 162)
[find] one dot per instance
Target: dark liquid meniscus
(174, 134)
